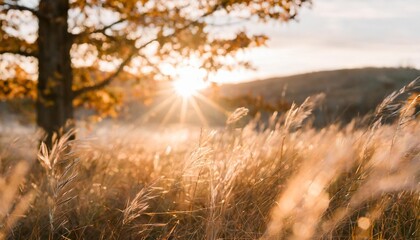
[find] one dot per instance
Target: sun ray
(184, 108)
(170, 112)
(199, 112)
(188, 88)
(212, 104)
(156, 109)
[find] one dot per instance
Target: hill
(349, 92)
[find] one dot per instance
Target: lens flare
(188, 88)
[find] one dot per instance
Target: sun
(188, 77)
(187, 88)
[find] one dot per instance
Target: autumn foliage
(122, 40)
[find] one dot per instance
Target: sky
(335, 34)
(331, 34)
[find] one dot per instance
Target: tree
(80, 47)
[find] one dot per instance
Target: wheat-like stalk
(60, 166)
(391, 105)
(13, 205)
(277, 180)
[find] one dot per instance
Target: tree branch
(107, 80)
(101, 30)
(21, 8)
(18, 52)
(134, 52)
(109, 26)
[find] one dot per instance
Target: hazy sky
(338, 34)
(332, 34)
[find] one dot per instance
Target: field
(281, 179)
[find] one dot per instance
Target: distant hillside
(349, 92)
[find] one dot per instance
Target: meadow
(281, 179)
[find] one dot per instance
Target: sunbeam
(212, 104)
(187, 88)
(198, 111)
(170, 112)
(156, 109)
(177, 98)
(184, 108)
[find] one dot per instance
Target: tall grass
(279, 180)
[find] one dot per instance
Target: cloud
(366, 9)
(339, 34)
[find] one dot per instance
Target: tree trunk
(54, 104)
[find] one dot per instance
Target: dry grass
(280, 180)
